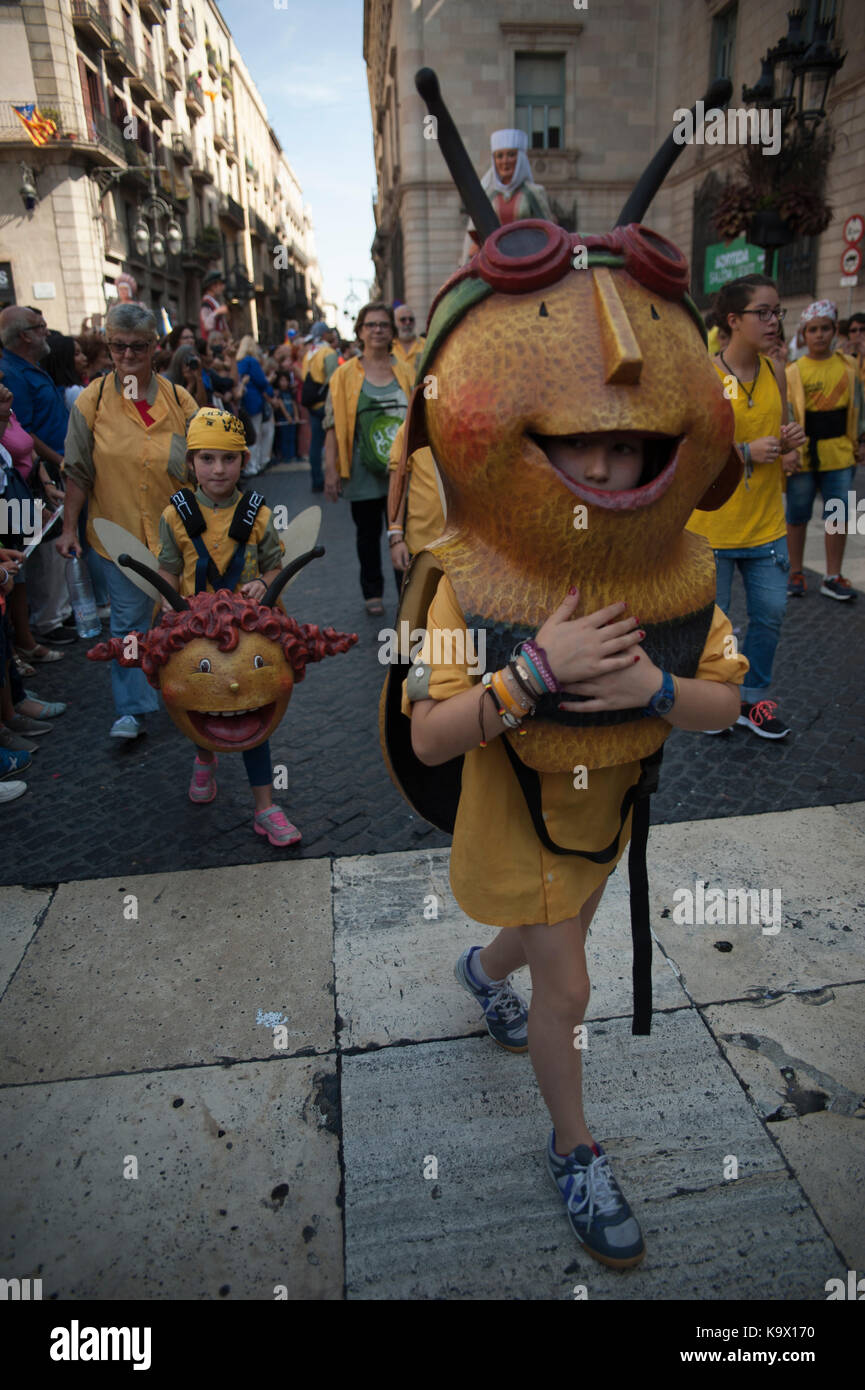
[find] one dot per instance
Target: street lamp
(819, 64)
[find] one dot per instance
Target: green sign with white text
(727, 260)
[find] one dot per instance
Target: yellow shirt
(411, 356)
(825, 386)
(424, 508)
(754, 515)
(500, 872)
(129, 469)
(177, 554)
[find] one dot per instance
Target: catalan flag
(39, 127)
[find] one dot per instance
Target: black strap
(186, 505)
(245, 513)
(823, 424)
(638, 877)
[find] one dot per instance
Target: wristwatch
(664, 698)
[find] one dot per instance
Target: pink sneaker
(274, 825)
(202, 788)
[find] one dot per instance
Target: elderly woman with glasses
(365, 406)
(125, 455)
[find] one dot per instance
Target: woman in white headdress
(509, 185)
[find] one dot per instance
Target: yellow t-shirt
(177, 554)
(500, 872)
(826, 388)
(754, 515)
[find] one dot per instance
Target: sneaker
(276, 827)
(15, 743)
(23, 724)
(599, 1215)
(202, 788)
(505, 1012)
(10, 790)
(797, 585)
(126, 727)
(58, 637)
(839, 588)
(11, 762)
(759, 717)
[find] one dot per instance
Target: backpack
(434, 792)
(242, 522)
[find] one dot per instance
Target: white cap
(509, 140)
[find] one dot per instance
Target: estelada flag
(40, 128)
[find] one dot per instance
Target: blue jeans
(316, 444)
(834, 485)
(285, 446)
(131, 611)
(764, 570)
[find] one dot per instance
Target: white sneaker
(10, 791)
(127, 727)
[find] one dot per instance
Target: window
(797, 268)
(723, 40)
(540, 98)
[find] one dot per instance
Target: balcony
(116, 244)
(186, 25)
(181, 149)
(107, 135)
(162, 107)
(174, 70)
(151, 12)
(194, 98)
(145, 83)
(93, 21)
(231, 211)
(121, 54)
(200, 171)
(221, 139)
(212, 65)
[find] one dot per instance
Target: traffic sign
(854, 228)
(851, 260)
(849, 282)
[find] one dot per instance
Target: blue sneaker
(12, 762)
(505, 1012)
(600, 1217)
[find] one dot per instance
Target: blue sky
(307, 62)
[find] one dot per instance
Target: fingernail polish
(636, 658)
(572, 590)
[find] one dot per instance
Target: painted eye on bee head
(204, 664)
(258, 662)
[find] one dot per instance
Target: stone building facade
(596, 87)
(130, 83)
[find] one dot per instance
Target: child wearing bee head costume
(216, 538)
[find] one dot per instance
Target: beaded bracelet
(538, 661)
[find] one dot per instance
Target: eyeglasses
(766, 315)
(376, 323)
(134, 349)
(409, 319)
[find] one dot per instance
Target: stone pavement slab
(236, 1190)
(802, 1060)
(490, 1225)
(182, 982)
(395, 966)
(814, 859)
(20, 912)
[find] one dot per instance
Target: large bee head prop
(542, 337)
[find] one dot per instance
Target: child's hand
(766, 450)
(792, 436)
(791, 463)
(631, 688)
(255, 590)
(584, 648)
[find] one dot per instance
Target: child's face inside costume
(216, 471)
(818, 337)
(612, 462)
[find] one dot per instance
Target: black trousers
(369, 518)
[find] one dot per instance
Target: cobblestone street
(98, 807)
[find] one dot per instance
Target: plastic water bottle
(87, 623)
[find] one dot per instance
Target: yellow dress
(754, 515)
(500, 873)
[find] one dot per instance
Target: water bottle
(87, 623)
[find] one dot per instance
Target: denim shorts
(802, 489)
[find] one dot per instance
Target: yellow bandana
(216, 429)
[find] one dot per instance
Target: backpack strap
(638, 878)
(242, 522)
